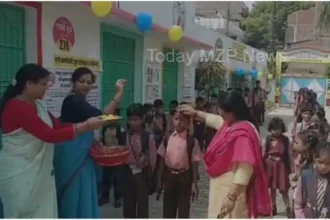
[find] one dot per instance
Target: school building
(64, 35)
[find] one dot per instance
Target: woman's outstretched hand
(187, 110)
(120, 84)
(95, 123)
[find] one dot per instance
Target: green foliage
(324, 19)
(327, 71)
(211, 75)
(259, 25)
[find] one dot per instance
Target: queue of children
(306, 158)
(165, 149)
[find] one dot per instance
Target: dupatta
(222, 154)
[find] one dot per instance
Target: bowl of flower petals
(110, 156)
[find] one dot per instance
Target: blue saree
(76, 173)
(76, 179)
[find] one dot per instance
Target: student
(112, 135)
(173, 105)
(159, 106)
(214, 102)
(247, 97)
(159, 128)
(313, 190)
(199, 127)
(148, 109)
(178, 169)
(304, 115)
(277, 162)
(322, 128)
(140, 165)
(304, 144)
(209, 131)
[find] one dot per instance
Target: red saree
(224, 151)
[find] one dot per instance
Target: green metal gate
(12, 43)
(118, 62)
(170, 77)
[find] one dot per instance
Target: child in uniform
(313, 190)
(304, 144)
(209, 132)
(277, 161)
(169, 122)
(112, 135)
(140, 165)
(199, 127)
(178, 170)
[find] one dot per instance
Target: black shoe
(103, 200)
(274, 211)
(117, 204)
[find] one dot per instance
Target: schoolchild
(313, 191)
(112, 135)
(199, 127)
(303, 120)
(178, 168)
(209, 132)
(304, 144)
(140, 165)
(149, 117)
(169, 122)
(159, 106)
(277, 162)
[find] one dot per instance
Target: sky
(249, 4)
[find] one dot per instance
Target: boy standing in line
(178, 168)
(199, 127)
(169, 122)
(140, 165)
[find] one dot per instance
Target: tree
(211, 77)
(324, 19)
(267, 21)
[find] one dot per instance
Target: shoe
(117, 204)
(274, 211)
(289, 213)
(103, 200)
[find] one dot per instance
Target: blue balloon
(254, 74)
(238, 72)
(144, 21)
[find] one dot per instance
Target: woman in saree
(233, 160)
(76, 173)
(29, 131)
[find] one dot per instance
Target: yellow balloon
(175, 33)
(270, 76)
(101, 9)
(260, 75)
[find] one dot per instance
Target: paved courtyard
(199, 206)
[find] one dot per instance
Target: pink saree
(223, 153)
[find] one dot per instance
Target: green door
(118, 62)
(170, 77)
(12, 43)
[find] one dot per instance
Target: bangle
(231, 197)
(115, 101)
